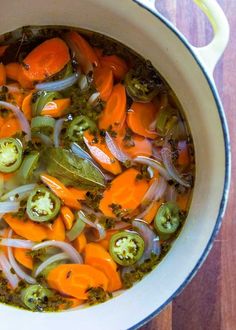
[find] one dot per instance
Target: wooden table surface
(209, 301)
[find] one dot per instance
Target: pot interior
(158, 43)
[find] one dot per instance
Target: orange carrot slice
(116, 64)
(61, 191)
(47, 59)
(84, 52)
(12, 70)
(10, 128)
(98, 257)
(126, 191)
(153, 211)
(102, 154)
(79, 194)
(26, 228)
(2, 74)
(26, 106)
(56, 108)
(113, 116)
(80, 242)
(67, 217)
(57, 230)
(103, 79)
(23, 257)
(74, 280)
(140, 118)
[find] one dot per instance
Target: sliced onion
(120, 225)
(58, 85)
(171, 194)
(25, 126)
(114, 149)
(83, 82)
(151, 240)
(158, 194)
(150, 193)
(17, 243)
(172, 171)
(6, 207)
(101, 230)
(49, 261)
(153, 163)
(94, 98)
(6, 267)
(67, 248)
(57, 131)
(18, 270)
(20, 191)
(80, 152)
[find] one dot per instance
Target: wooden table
(209, 301)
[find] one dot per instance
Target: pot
(189, 71)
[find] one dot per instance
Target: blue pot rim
(225, 193)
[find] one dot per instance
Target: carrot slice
(140, 118)
(103, 79)
(12, 70)
(153, 211)
(10, 128)
(74, 280)
(23, 80)
(114, 113)
(183, 153)
(102, 154)
(116, 64)
(26, 228)
(183, 201)
(85, 53)
(126, 191)
(136, 146)
(70, 303)
(26, 106)
(79, 194)
(3, 49)
(61, 191)
(80, 242)
(57, 230)
(98, 257)
(23, 257)
(2, 74)
(105, 242)
(56, 108)
(46, 59)
(67, 217)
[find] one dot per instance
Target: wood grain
(209, 301)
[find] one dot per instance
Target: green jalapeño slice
(10, 155)
(126, 248)
(42, 205)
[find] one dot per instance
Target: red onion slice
(17, 243)
(25, 126)
(18, 193)
(57, 131)
(66, 247)
(100, 155)
(148, 197)
(101, 230)
(80, 152)
(6, 207)
(94, 98)
(18, 270)
(49, 261)
(114, 149)
(151, 240)
(6, 267)
(171, 194)
(153, 163)
(59, 85)
(173, 173)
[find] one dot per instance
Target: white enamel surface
(124, 20)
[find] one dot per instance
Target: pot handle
(210, 54)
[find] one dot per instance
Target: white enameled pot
(189, 71)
